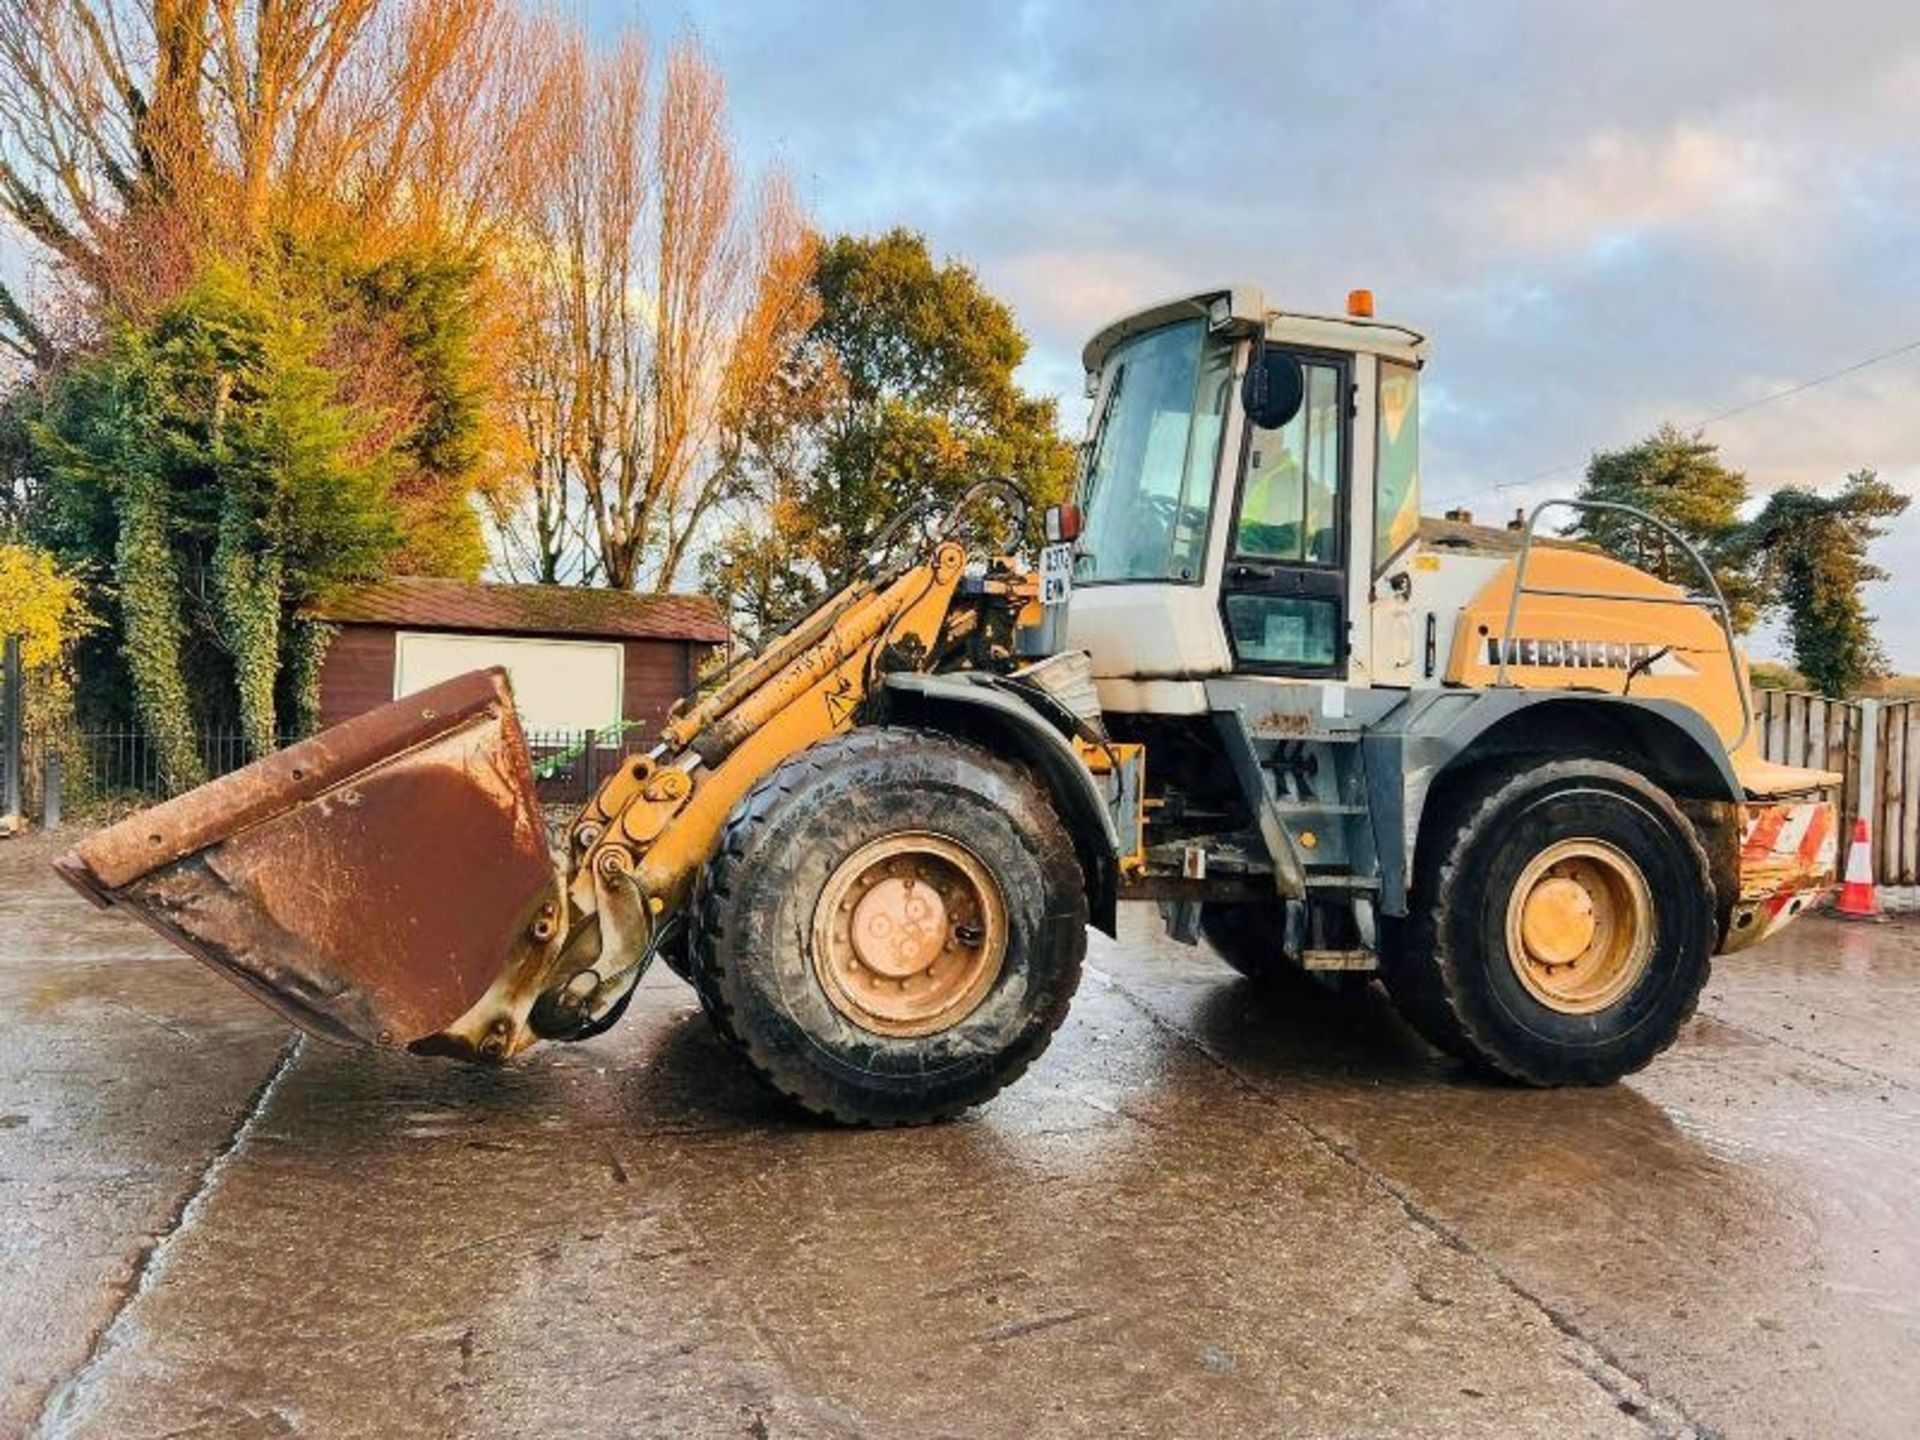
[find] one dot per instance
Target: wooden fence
(1823, 734)
(1896, 817)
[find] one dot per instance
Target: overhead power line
(1799, 387)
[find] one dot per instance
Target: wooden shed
(580, 659)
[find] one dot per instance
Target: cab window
(1289, 503)
(1148, 486)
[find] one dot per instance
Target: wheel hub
(1559, 922)
(900, 926)
(910, 933)
(1580, 926)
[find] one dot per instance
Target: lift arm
(635, 849)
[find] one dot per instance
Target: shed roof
(416, 602)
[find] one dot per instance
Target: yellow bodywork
(1676, 651)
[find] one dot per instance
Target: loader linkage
(389, 881)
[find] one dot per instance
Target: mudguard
(1409, 749)
(972, 704)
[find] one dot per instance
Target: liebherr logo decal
(1589, 655)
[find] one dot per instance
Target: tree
(41, 602)
(902, 391)
(1808, 556)
(46, 605)
(350, 150)
(1677, 478)
(135, 139)
(210, 471)
(660, 304)
(260, 364)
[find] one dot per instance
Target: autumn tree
(1678, 478)
(902, 392)
(661, 299)
(261, 336)
(1808, 558)
(46, 606)
(137, 138)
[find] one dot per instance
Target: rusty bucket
(370, 884)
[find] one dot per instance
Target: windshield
(1147, 493)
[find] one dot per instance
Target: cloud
(1607, 215)
(1621, 185)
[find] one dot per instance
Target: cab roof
(1245, 311)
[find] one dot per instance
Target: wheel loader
(1511, 778)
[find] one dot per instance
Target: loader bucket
(369, 883)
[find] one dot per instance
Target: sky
(1606, 214)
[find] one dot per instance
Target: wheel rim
(909, 934)
(1580, 926)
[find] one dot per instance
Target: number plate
(1056, 574)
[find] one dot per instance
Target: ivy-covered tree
(1679, 478)
(256, 359)
(907, 393)
(209, 470)
(1807, 554)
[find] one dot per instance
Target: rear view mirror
(1274, 388)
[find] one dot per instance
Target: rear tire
(842, 1025)
(1562, 925)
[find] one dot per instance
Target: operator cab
(1248, 475)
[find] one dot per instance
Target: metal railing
(1714, 601)
(568, 765)
(87, 772)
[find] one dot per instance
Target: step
(1327, 880)
(1339, 960)
(1317, 807)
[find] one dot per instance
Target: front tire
(1562, 925)
(891, 928)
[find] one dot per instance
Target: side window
(1290, 499)
(1396, 494)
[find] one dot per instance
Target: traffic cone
(1857, 899)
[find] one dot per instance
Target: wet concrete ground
(1206, 1211)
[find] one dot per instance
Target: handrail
(1718, 604)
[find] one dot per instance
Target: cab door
(1283, 594)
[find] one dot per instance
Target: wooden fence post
(13, 758)
(52, 783)
(1866, 759)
